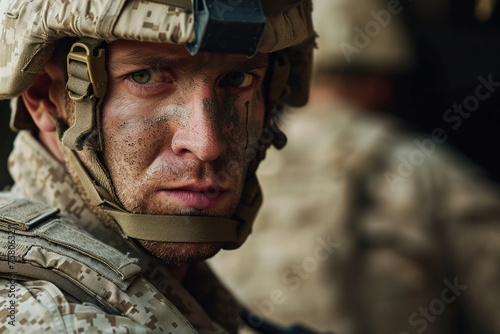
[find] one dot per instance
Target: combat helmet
(32, 29)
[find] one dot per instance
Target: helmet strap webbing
(170, 228)
(85, 126)
(87, 82)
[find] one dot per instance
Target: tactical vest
(39, 243)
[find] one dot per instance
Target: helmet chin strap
(232, 232)
(87, 90)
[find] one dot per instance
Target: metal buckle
(227, 26)
(86, 53)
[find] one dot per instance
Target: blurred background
(384, 203)
(387, 191)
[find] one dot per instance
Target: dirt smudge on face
(140, 131)
(246, 124)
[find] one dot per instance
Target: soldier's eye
(237, 79)
(141, 77)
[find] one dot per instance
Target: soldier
(141, 126)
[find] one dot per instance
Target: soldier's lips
(197, 197)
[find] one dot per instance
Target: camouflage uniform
(403, 237)
(42, 307)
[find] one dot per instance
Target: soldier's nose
(201, 135)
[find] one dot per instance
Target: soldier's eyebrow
(146, 59)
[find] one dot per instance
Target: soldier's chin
(180, 253)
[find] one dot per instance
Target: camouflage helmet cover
(30, 31)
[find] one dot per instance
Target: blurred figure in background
(389, 219)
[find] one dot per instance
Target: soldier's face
(175, 130)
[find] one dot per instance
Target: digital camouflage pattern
(30, 31)
(42, 308)
(32, 27)
(153, 303)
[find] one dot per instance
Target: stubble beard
(179, 253)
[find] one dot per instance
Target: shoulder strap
(33, 232)
(38, 224)
(22, 213)
(38, 243)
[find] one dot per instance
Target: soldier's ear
(37, 101)
(45, 97)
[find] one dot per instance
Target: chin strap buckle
(86, 67)
(227, 26)
(87, 84)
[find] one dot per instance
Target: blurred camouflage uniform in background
(412, 225)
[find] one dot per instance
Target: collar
(38, 175)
